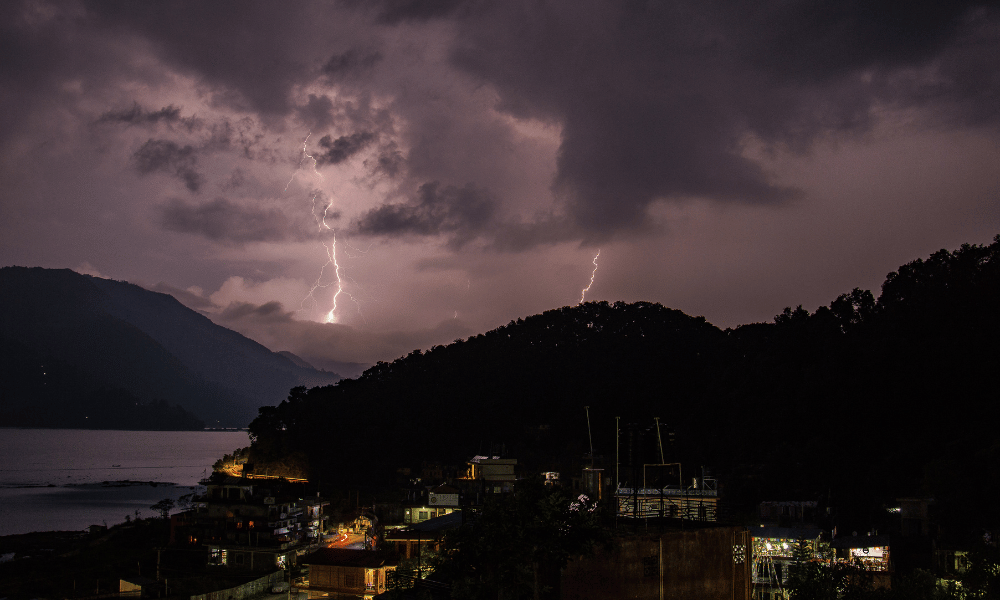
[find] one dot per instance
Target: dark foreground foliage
(516, 545)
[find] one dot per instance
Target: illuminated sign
(875, 552)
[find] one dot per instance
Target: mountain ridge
(117, 335)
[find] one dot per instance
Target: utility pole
(590, 436)
(659, 440)
(617, 463)
(617, 459)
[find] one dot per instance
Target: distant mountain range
(75, 348)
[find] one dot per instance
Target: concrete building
(706, 563)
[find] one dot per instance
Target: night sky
(471, 158)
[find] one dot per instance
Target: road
(354, 541)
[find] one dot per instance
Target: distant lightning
(331, 249)
(358, 250)
(305, 154)
(583, 294)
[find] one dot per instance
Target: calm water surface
(69, 479)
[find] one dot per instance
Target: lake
(69, 479)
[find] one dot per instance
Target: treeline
(854, 404)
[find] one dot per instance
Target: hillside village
(671, 536)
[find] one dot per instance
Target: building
(694, 503)
(251, 525)
(341, 573)
(870, 551)
(491, 475)
(440, 501)
(408, 542)
(706, 563)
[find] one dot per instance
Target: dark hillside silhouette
(855, 404)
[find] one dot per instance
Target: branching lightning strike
(331, 249)
(583, 294)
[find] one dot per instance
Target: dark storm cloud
(826, 66)
(461, 213)
(655, 99)
(137, 115)
(389, 162)
(245, 50)
(224, 221)
(320, 112)
(544, 229)
(351, 63)
(336, 151)
(398, 11)
(828, 38)
(268, 312)
(44, 46)
(166, 156)
(244, 135)
(317, 113)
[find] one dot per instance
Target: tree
(853, 309)
(164, 507)
(518, 544)
(982, 578)
(810, 578)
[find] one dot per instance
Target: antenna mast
(659, 440)
(590, 436)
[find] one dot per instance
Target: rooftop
(342, 557)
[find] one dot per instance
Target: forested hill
(80, 351)
(864, 397)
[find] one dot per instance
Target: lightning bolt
(331, 260)
(583, 294)
(331, 252)
(331, 249)
(305, 154)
